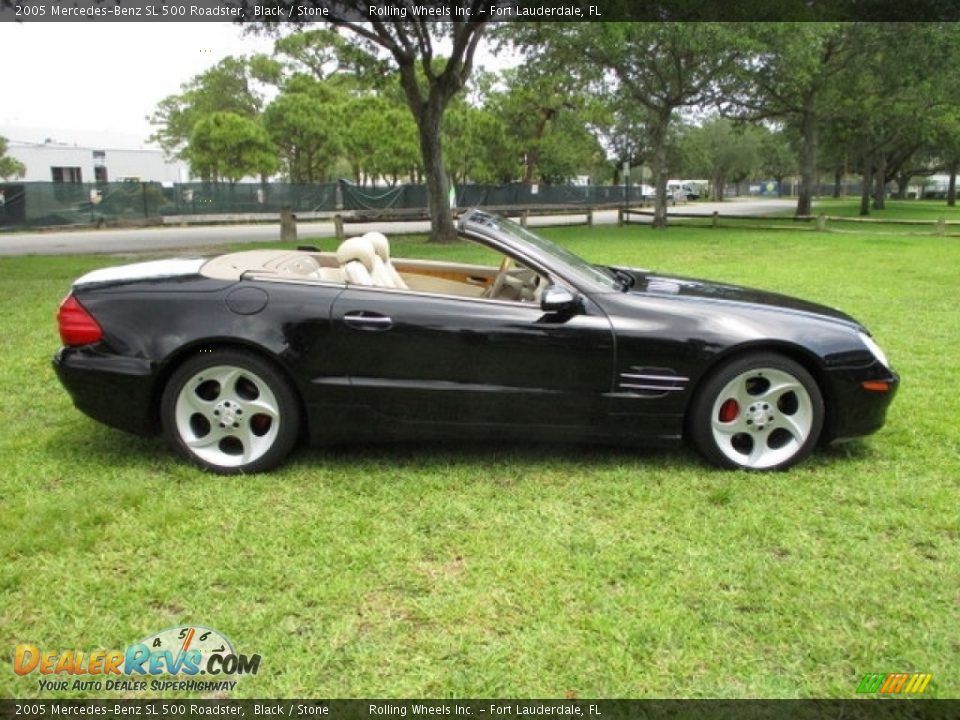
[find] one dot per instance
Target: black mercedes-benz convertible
(238, 356)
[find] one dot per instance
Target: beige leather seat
(356, 257)
(329, 274)
(384, 273)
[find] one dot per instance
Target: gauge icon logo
(188, 650)
(200, 642)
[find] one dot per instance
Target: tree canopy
(230, 146)
(389, 102)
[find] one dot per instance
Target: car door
(429, 358)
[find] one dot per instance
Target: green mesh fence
(400, 197)
(523, 194)
(208, 198)
(34, 204)
(37, 204)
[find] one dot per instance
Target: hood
(651, 284)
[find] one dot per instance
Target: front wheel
(230, 412)
(760, 412)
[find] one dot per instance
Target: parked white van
(682, 189)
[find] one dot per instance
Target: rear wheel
(231, 412)
(760, 412)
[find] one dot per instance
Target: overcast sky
(94, 83)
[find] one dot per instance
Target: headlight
(875, 349)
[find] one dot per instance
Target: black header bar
(308, 11)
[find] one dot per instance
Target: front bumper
(858, 411)
(114, 390)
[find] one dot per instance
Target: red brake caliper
(729, 411)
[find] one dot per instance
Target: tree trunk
(532, 156)
(442, 229)
(880, 183)
(867, 184)
(952, 185)
(837, 182)
(808, 157)
(659, 138)
(428, 114)
(903, 183)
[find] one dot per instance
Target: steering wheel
(501, 277)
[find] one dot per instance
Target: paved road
(185, 238)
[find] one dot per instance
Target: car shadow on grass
(412, 455)
(853, 452)
(84, 443)
(87, 445)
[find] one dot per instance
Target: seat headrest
(380, 244)
(357, 249)
(297, 264)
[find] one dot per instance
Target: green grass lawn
(506, 570)
(928, 210)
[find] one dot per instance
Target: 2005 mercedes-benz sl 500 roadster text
(238, 356)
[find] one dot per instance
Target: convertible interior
(366, 261)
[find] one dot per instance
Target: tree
(568, 150)
(306, 129)
(407, 49)
(381, 140)
(478, 144)
(949, 142)
(945, 144)
(535, 99)
(778, 157)
(412, 43)
(664, 67)
(798, 65)
(621, 127)
(884, 115)
(224, 87)
(321, 53)
(229, 146)
(10, 167)
(722, 152)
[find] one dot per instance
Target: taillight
(77, 326)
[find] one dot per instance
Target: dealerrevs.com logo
(180, 655)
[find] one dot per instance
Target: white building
(60, 163)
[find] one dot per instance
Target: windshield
(576, 264)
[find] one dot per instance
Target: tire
(230, 412)
(759, 412)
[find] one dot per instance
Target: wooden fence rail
(820, 222)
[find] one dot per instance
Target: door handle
(364, 320)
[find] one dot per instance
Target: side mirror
(559, 299)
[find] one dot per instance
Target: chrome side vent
(651, 382)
